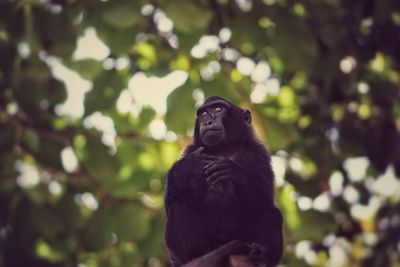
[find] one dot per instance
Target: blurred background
(97, 101)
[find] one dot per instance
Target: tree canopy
(97, 99)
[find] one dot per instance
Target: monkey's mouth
(212, 133)
(213, 136)
(212, 130)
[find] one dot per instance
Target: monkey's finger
(212, 177)
(210, 157)
(208, 163)
(215, 166)
(220, 179)
(215, 175)
(208, 168)
(198, 151)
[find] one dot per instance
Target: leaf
(37, 92)
(289, 207)
(176, 107)
(120, 42)
(146, 55)
(182, 62)
(7, 139)
(56, 32)
(88, 69)
(298, 56)
(48, 152)
(188, 16)
(169, 153)
(146, 116)
(49, 225)
(99, 163)
(279, 135)
(127, 222)
(130, 222)
(248, 41)
(8, 173)
(121, 14)
(125, 188)
(221, 87)
(155, 238)
(31, 139)
(315, 225)
(106, 89)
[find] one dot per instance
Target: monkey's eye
(218, 109)
(203, 114)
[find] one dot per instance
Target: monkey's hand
(258, 254)
(219, 169)
(187, 174)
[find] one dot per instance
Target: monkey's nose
(208, 123)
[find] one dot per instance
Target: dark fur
(201, 218)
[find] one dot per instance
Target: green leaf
(315, 225)
(37, 92)
(56, 32)
(31, 139)
(146, 55)
(126, 189)
(130, 222)
(297, 56)
(188, 16)
(8, 173)
(48, 152)
(289, 207)
(121, 14)
(221, 87)
(182, 62)
(106, 90)
(127, 222)
(176, 107)
(7, 139)
(146, 116)
(279, 135)
(99, 163)
(88, 69)
(120, 42)
(248, 41)
(169, 153)
(48, 223)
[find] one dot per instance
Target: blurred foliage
(321, 77)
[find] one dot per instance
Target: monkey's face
(211, 123)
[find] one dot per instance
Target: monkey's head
(220, 122)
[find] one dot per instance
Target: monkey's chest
(223, 228)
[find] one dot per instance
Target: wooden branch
(219, 257)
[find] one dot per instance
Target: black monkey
(222, 190)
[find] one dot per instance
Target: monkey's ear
(247, 116)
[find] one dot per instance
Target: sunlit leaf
(146, 54)
(290, 210)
